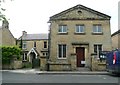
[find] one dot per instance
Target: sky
(32, 16)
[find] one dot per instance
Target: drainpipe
(49, 45)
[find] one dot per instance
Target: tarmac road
(10, 77)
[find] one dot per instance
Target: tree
(20, 46)
(2, 15)
(9, 53)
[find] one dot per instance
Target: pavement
(37, 71)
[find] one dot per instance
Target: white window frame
(79, 28)
(24, 55)
(62, 28)
(24, 45)
(98, 48)
(96, 26)
(62, 52)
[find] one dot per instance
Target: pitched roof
(79, 7)
(33, 50)
(115, 33)
(34, 37)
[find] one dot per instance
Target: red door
(80, 56)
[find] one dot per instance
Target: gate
(35, 63)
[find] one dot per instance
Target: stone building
(6, 37)
(34, 46)
(115, 40)
(77, 35)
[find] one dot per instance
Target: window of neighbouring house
(97, 48)
(97, 28)
(45, 54)
(62, 29)
(34, 44)
(45, 44)
(80, 29)
(24, 45)
(62, 51)
(24, 56)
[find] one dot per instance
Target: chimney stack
(24, 33)
(5, 24)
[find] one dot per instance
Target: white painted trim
(58, 52)
(80, 28)
(31, 51)
(62, 29)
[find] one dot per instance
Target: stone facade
(115, 40)
(6, 37)
(34, 46)
(65, 40)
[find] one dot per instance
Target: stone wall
(14, 65)
(60, 67)
(98, 65)
(17, 64)
(7, 37)
(43, 63)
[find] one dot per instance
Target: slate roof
(34, 37)
(79, 6)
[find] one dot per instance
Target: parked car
(113, 62)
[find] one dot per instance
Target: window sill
(62, 33)
(24, 48)
(24, 60)
(62, 58)
(93, 54)
(42, 56)
(79, 33)
(73, 53)
(97, 33)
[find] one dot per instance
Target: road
(9, 77)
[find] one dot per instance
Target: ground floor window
(62, 51)
(97, 48)
(24, 56)
(45, 54)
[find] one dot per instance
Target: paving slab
(36, 71)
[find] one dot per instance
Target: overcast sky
(32, 15)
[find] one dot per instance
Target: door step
(83, 69)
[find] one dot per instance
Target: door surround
(80, 56)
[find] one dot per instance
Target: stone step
(83, 69)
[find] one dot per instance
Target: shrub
(9, 53)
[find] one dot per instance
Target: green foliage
(9, 53)
(20, 46)
(27, 65)
(2, 15)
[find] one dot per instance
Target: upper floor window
(97, 28)
(62, 51)
(97, 48)
(45, 44)
(62, 29)
(34, 44)
(79, 29)
(24, 45)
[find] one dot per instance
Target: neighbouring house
(77, 35)
(35, 49)
(6, 37)
(115, 40)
